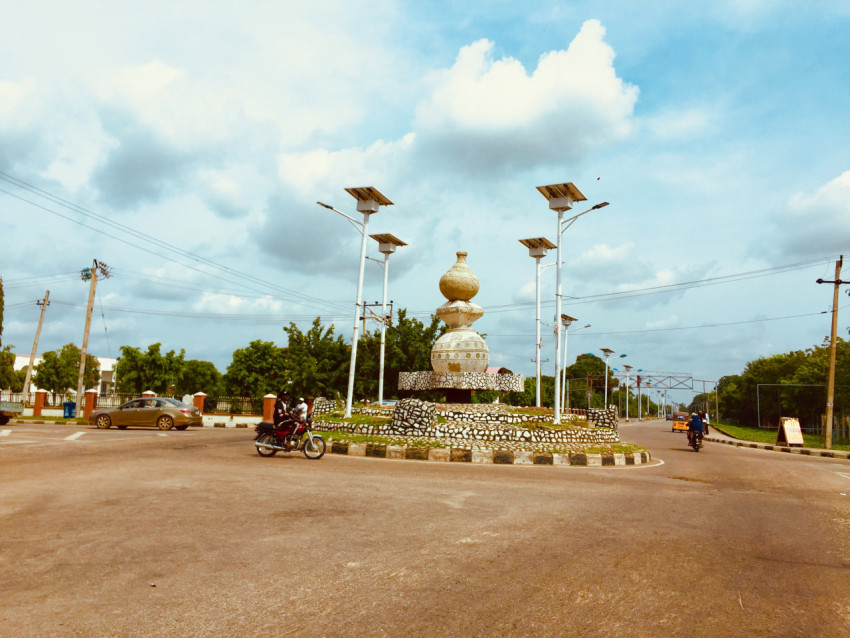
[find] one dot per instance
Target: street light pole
(607, 352)
(43, 304)
(561, 198)
(566, 322)
(368, 201)
(387, 245)
(537, 248)
(91, 275)
(628, 369)
(830, 387)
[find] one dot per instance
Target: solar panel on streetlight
(537, 246)
(561, 196)
(387, 243)
(368, 198)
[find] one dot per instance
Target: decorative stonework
(419, 381)
(412, 417)
(603, 418)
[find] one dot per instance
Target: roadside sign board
(789, 432)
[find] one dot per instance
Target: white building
(107, 372)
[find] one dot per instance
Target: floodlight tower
(561, 198)
(537, 248)
(369, 199)
(387, 245)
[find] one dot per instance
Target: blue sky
(718, 134)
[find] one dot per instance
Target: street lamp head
(387, 243)
(567, 321)
(368, 199)
(538, 246)
(325, 205)
(561, 196)
(623, 355)
(607, 352)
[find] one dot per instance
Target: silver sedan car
(161, 412)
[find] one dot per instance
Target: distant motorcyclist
(694, 427)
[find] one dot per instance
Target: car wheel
(181, 427)
(103, 421)
(165, 422)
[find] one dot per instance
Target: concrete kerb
(484, 456)
(771, 447)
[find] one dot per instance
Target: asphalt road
(144, 533)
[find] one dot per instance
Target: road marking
(74, 436)
(5, 432)
(844, 474)
(161, 434)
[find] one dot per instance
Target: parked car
(161, 412)
(680, 421)
(669, 416)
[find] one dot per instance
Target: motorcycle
(288, 436)
(695, 440)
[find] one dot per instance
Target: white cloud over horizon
(215, 133)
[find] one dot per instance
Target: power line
(144, 237)
(208, 315)
(708, 325)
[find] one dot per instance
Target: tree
(256, 370)
(137, 372)
(199, 376)
(9, 379)
(317, 361)
(59, 370)
(588, 372)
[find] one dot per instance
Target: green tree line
(793, 384)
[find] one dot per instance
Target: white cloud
(816, 224)
(488, 113)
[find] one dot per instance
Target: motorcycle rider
(694, 428)
(281, 408)
(301, 408)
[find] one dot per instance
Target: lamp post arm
(357, 224)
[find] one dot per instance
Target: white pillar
(383, 330)
(538, 342)
(357, 311)
(557, 418)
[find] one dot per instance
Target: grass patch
(759, 435)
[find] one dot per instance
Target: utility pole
(830, 387)
(43, 304)
(91, 275)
